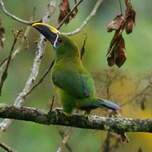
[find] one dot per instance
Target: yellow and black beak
(49, 32)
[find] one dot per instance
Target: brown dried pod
(120, 55)
(64, 10)
(111, 59)
(129, 26)
(111, 50)
(116, 23)
(74, 13)
(130, 16)
(116, 54)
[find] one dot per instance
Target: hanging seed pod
(116, 23)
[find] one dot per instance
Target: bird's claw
(66, 114)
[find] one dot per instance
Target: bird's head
(63, 45)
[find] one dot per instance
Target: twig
(72, 10)
(6, 12)
(34, 12)
(107, 142)
(3, 63)
(141, 93)
(42, 78)
(28, 85)
(75, 1)
(52, 103)
(120, 5)
(85, 22)
(5, 72)
(110, 78)
(58, 117)
(128, 2)
(20, 99)
(116, 145)
(65, 137)
(6, 147)
(140, 149)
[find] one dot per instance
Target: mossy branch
(57, 117)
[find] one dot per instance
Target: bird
(74, 83)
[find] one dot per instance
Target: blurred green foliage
(30, 137)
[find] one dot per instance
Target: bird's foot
(67, 114)
(86, 114)
(59, 109)
(56, 110)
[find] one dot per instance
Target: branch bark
(57, 117)
(20, 99)
(6, 12)
(6, 147)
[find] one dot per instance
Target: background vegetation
(28, 137)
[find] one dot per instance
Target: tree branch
(20, 99)
(57, 117)
(65, 137)
(41, 78)
(85, 22)
(6, 147)
(8, 61)
(6, 12)
(4, 62)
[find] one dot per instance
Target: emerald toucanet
(74, 82)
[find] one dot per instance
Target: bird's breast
(73, 79)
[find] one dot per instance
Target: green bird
(75, 84)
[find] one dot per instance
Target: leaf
(116, 23)
(2, 38)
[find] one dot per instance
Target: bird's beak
(49, 32)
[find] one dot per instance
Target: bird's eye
(59, 40)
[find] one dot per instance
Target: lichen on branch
(57, 117)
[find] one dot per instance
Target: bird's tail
(106, 103)
(94, 103)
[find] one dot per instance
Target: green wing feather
(76, 81)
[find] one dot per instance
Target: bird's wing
(79, 84)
